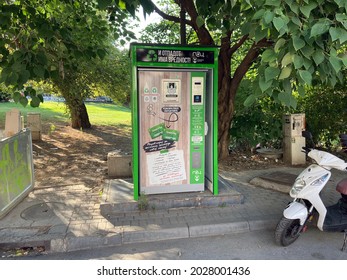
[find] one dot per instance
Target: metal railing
(16, 170)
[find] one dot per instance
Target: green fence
(16, 170)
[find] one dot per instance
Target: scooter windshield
(327, 160)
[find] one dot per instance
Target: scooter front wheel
(287, 231)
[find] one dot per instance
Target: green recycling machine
(174, 118)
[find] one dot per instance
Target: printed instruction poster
(165, 129)
(165, 168)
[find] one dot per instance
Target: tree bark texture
(74, 102)
(79, 115)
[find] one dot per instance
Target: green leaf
(308, 64)
(343, 37)
(259, 14)
(103, 4)
(246, 28)
(264, 85)
(24, 101)
(341, 3)
(23, 77)
(287, 99)
(284, 98)
(306, 76)
(332, 81)
(271, 73)
(268, 55)
(287, 59)
(40, 96)
(18, 66)
(296, 21)
(298, 61)
(342, 18)
(39, 72)
(301, 90)
(275, 3)
(278, 23)
(16, 96)
(249, 100)
(11, 79)
(200, 21)
(336, 63)
(343, 58)
(122, 5)
(101, 53)
(285, 73)
(279, 44)
(260, 33)
(293, 102)
(307, 51)
(306, 10)
(334, 33)
(146, 5)
(268, 17)
(41, 58)
(319, 28)
(287, 86)
(293, 6)
(318, 57)
(298, 43)
(35, 101)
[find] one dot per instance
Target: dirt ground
(67, 156)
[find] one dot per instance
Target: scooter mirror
(307, 134)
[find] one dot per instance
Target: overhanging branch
(169, 17)
(248, 60)
(236, 46)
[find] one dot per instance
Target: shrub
(4, 97)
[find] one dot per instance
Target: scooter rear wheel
(287, 231)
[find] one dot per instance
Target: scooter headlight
(298, 185)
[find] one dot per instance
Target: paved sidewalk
(73, 217)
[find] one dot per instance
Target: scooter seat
(342, 186)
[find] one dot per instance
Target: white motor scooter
(307, 201)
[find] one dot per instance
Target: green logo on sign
(152, 56)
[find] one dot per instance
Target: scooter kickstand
(344, 241)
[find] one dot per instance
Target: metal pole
(183, 26)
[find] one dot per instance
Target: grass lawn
(52, 112)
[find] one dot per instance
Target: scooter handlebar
(306, 150)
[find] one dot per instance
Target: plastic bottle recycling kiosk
(174, 118)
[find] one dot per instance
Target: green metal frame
(210, 65)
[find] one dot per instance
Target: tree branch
(248, 60)
(204, 35)
(169, 17)
(236, 46)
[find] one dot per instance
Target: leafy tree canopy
(44, 39)
(303, 40)
(290, 43)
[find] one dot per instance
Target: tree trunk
(228, 87)
(79, 114)
(225, 98)
(74, 102)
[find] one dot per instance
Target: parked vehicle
(307, 200)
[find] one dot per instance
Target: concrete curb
(151, 235)
(148, 234)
